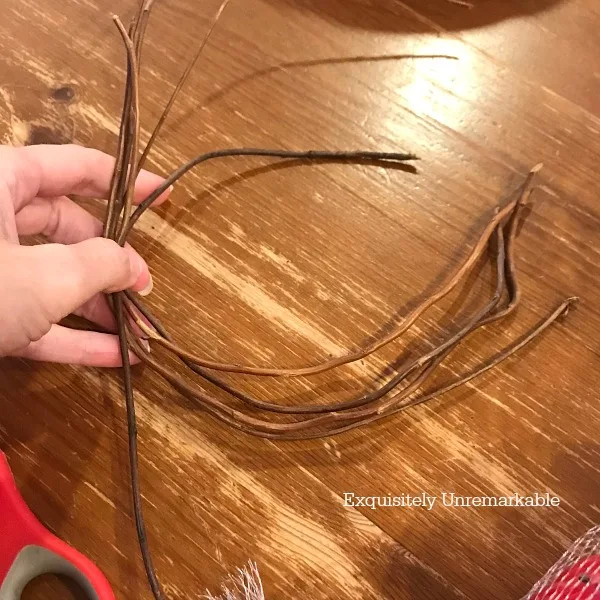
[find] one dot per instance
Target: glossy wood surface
(264, 263)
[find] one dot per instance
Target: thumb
(66, 276)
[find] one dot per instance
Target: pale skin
(40, 285)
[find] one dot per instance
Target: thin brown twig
(135, 124)
(181, 83)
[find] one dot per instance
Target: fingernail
(136, 263)
(165, 195)
(134, 359)
(148, 288)
(146, 345)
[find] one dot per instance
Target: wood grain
(279, 263)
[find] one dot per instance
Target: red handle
(28, 549)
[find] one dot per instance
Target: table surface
(262, 263)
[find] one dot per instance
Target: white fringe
(245, 585)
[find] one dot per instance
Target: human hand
(41, 285)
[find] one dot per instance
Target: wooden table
(262, 264)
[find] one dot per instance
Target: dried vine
(252, 415)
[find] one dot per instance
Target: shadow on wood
(388, 15)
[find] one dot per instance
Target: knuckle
(9, 169)
(54, 218)
(110, 257)
(24, 331)
(100, 164)
(38, 327)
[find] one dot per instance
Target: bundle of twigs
(252, 415)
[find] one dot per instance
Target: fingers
(64, 222)
(64, 278)
(70, 346)
(96, 310)
(48, 171)
(50, 219)
(59, 219)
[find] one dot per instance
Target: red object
(28, 549)
(580, 581)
